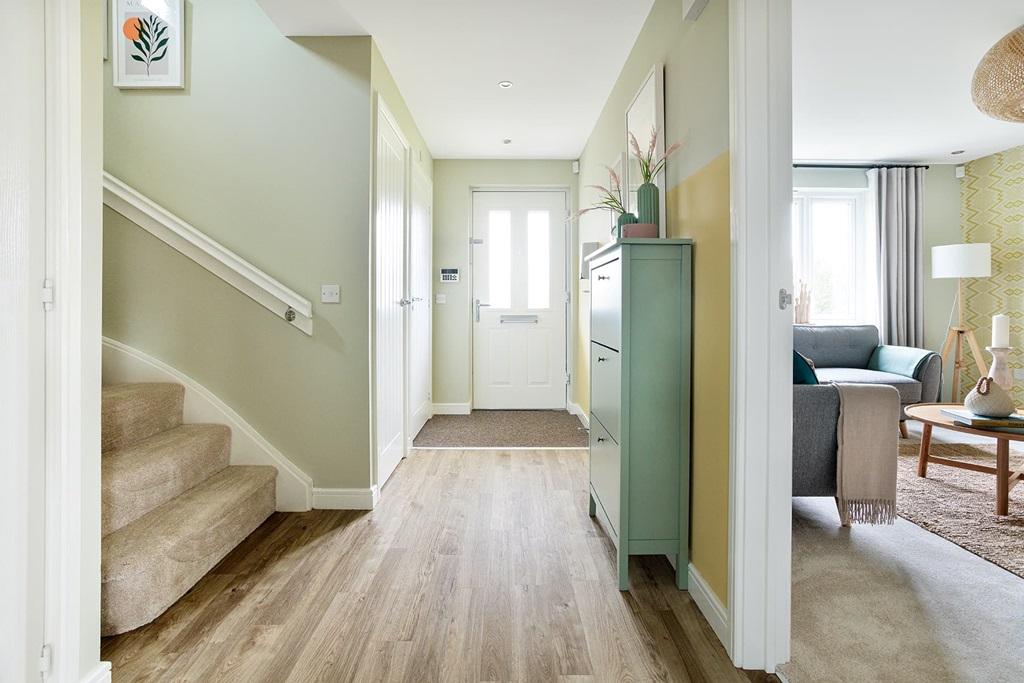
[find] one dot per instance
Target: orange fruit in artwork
(131, 28)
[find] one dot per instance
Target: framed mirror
(646, 112)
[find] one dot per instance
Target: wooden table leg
(1002, 477)
(922, 456)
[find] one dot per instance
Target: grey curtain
(899, 220)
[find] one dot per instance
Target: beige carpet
(503, 429)
(959, 505)
(897, 604)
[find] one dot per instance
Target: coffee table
(931, 415)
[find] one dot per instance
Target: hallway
(476, 565)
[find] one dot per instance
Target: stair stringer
(126, 364)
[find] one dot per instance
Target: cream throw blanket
(866, 461)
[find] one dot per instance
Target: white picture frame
(148, 43)
(646, 111)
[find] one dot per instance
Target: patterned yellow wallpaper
(992, 210)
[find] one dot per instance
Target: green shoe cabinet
(640, 337)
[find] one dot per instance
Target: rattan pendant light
(998, 86)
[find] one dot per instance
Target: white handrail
(219, 260)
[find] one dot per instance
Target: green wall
(696, 59)
(453, 179)
(268, 151)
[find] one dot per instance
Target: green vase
(647, 203)
(624, 219)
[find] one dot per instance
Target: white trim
(216, 258)
(452, 409)
(100, 674)
(709, 604)
(575, 409)
(346, 499)
(123, 363)
(760, 463)
(500, 448)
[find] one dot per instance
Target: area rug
(959, 505)
(504, 429)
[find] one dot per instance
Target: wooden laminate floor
(475, 566)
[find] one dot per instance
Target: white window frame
(865, 271)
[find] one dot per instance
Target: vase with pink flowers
(610, 199)
(649, 165)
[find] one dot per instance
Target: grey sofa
(848, 354)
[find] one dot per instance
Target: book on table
(965, 418)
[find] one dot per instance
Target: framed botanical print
(148, 43)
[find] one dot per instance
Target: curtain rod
(864, 166)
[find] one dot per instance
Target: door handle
(601, 359)
(600, 439)
(403, 302)
(476, 309)
(604, 277)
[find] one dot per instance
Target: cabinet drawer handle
(604, 277)
(601, 360)
(600, 439)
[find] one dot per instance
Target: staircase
(172, 505)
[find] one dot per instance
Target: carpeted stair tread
(150, 563)
(133, 412)
(146, 474)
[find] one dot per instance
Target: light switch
(441, 299)
(1018, 373)
(330, 294)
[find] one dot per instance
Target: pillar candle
(1000, 331)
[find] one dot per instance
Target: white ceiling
(447, 57)
(884, 80)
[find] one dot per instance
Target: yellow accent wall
(698, 208)
(992, 210)
(696, 60)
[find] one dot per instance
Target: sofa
(848, 353)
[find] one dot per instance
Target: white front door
(519, 299)
(390, 221)
(418, 339)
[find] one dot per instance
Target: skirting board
(710, 606)
(575, 409)
(123, 363)
(345, 499)
(452, 408)
(101, 674)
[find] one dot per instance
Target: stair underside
(147, 474)
(150, 563)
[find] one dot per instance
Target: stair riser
(144, 574)
(136, 413)
(135, 483)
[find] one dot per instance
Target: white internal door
(390, 222)
(418, 339)
(519, 299)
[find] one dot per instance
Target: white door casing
(761, 458)
(22, 336)
(519, 299)
(392, 153)
(420, 287)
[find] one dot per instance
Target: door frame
(74, 242)
(414, 173)
(381, 110)
(570, 249)
(761, 459)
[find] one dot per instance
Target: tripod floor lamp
(960, 261)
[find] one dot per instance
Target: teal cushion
(803, 371)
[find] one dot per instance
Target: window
(834, 256)
(538, 259)
(499, 229)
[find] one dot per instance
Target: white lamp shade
(962, 260)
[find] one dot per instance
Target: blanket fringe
(868, 511)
